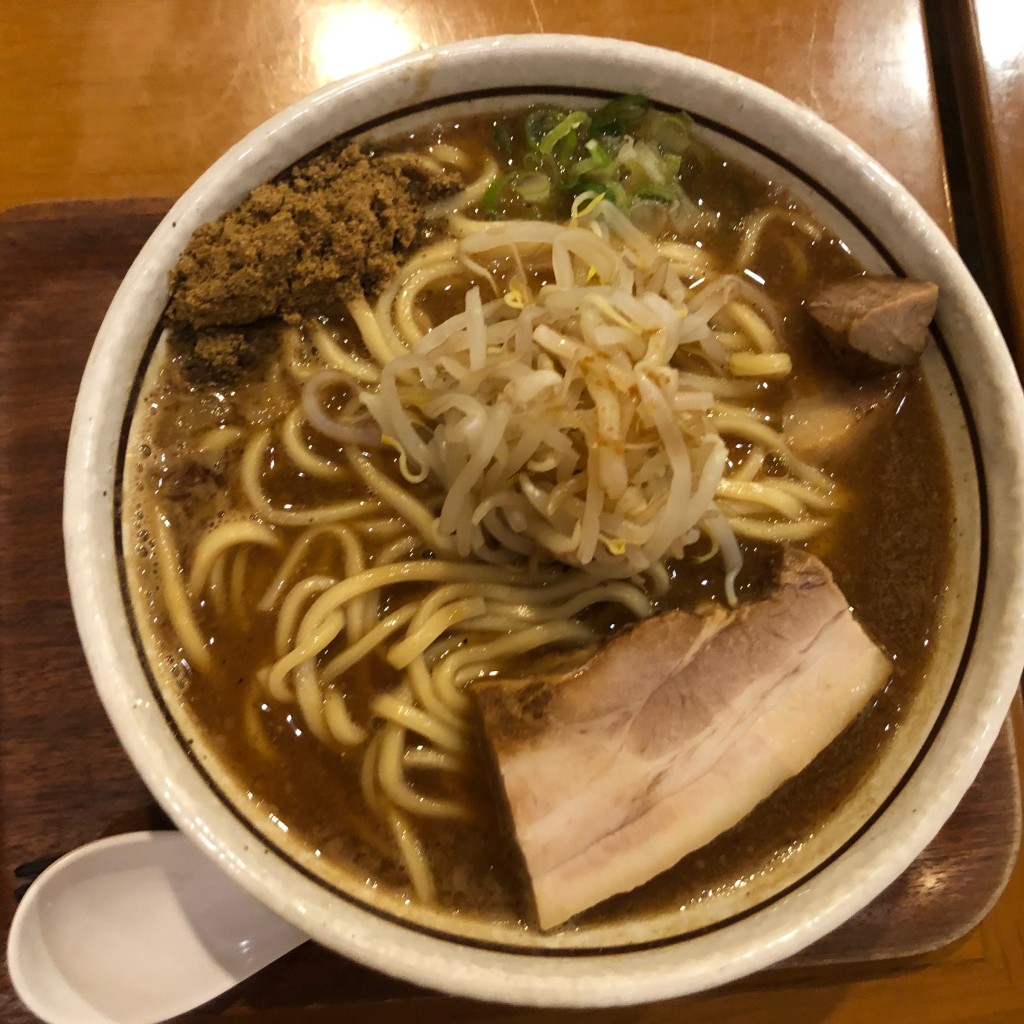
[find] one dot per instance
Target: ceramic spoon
(136, 929)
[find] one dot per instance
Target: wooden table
(118, 98)
(988, 66)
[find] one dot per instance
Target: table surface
(990, 73)
(115, 98)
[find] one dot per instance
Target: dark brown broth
(888, 551)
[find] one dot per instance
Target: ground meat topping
(222, 356)
(337, 225)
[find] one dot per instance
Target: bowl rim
(570, 978)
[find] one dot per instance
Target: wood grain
(987, 50)
(136, 97)
(65, 781)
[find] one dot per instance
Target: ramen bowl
(864, 843)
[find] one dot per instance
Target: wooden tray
(64, 779)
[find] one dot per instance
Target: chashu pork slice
(672, 733)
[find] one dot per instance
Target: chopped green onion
(568, 124)
(533, 161)
(673, 161)
(597, 153)
(669, 132)
(503, 141)
(610, 190)
(652, 163)
(565, 149)
(490, 198)
(657, 194)
(627, 152)
(532, 186)
(650, 215)
(599, 163)
(540, 123)
(621, 116)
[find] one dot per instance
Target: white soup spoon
(135, 929)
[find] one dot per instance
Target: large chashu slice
(672, 733)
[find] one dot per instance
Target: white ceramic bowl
(981, 644)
